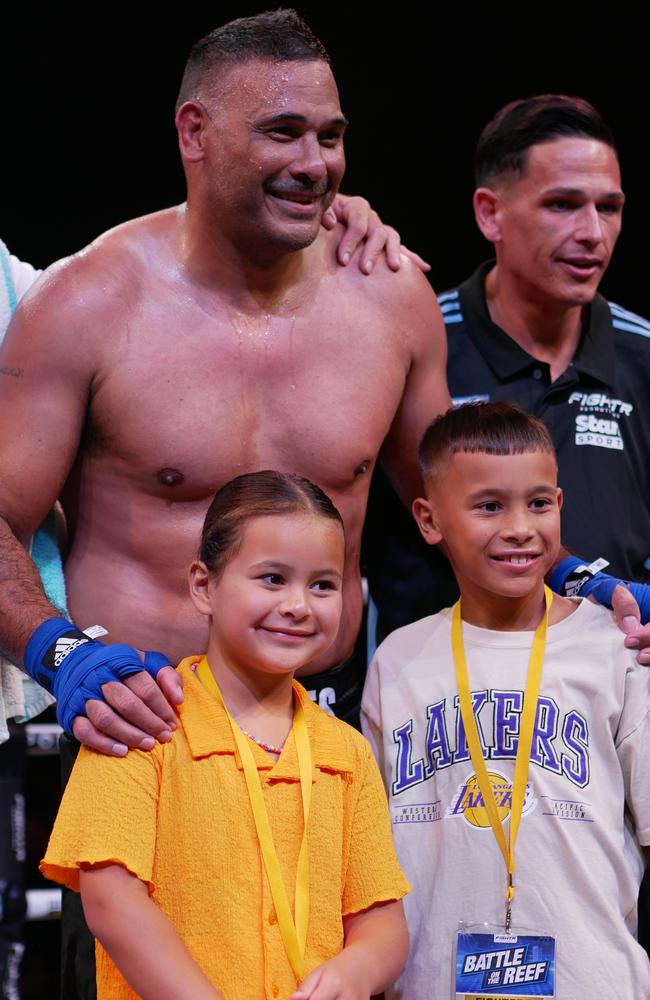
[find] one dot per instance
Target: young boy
(458, 787)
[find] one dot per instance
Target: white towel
(20, 697)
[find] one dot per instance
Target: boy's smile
(498, 518)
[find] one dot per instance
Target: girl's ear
(198, 579)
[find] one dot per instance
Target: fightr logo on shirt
(598, 422)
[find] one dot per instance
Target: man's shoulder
(450, 306)
(632, 330)
(464, 305)
(383, 288)
(116, 261)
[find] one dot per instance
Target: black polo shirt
(598, 413)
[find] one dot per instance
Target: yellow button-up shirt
(179, 818)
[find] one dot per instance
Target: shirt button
(537, 373)
(272, 917)
(275, 990)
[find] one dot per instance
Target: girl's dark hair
(256, 494)
(492, 428)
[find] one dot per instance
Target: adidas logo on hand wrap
(63, 646)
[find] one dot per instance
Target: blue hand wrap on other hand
(572, 577)
(73, 666)
(153, 662)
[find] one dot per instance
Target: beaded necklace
(269, 747)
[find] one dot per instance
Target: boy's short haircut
(491, 428)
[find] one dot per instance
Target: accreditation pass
(495, 965)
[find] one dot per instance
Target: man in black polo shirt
(530, 328)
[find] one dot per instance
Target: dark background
(88, 141)
(88, 115)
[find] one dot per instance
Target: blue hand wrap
(572, 578)
(73, 667)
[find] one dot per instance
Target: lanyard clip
(510, 895)
(508, 923)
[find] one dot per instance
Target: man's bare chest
(210, 401)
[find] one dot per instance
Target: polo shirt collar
(595, 355)
(208, 732)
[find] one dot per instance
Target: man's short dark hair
(504, 142)
(277, 36)
(491, 428)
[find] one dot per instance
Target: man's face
(274, 152)
(559, 221)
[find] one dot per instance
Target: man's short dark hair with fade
(504, 142)
(489, 428)
(277, 36)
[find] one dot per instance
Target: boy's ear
(560, 498)
(425, 515)
(198, 579)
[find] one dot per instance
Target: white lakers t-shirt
(586, 809)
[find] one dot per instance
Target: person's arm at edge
(626, 615)
(139, 938)
(425, 391)
(374, 954)
(44, 387)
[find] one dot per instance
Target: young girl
(251, 856)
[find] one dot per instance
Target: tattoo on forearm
(13, 372)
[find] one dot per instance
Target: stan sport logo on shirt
(599, 419)
(468, 801)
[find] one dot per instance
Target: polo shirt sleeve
(373, 873)
(107, 815)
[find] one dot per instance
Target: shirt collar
(595, 355)
(208, 732)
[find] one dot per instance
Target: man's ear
(487, 212)
(425, 515)
(199, 578)
(191, 124)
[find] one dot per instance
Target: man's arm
(47, 364)
(376, 948)
(139, 938)
(43, 392)
(425, 391)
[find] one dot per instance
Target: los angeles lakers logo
(468, 801)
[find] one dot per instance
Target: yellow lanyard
(526, 729)
(294, 934)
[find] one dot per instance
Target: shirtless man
(188, 346)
